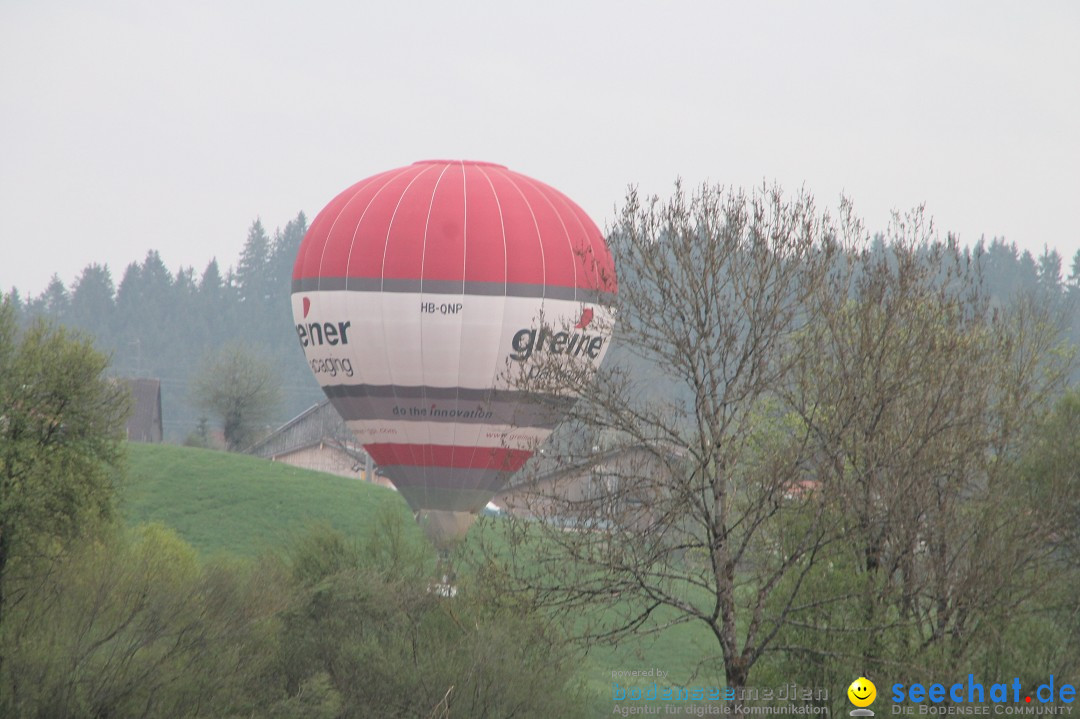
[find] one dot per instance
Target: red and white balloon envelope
(420, 294)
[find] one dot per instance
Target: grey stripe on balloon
(447, 404)
(448, 488)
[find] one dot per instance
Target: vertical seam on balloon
(330, 231)
(359, 188)
(360, 220)
(423, 373)
(461, 320)
(592, 273)
(602, 284)
(382, 297)
(589, 242)
(542, 191)
(349, 299)
(539, 239)
(364, 184)
(502, 321)
(543, 259)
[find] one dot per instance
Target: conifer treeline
(156, 323)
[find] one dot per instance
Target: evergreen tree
(253, 272)
(211, 283)
(214, 307)
(146, 310)
(278, 327)
(155, 275)
(1074, 275)
(1028, 273)
(152, 338)
(999, 267)
(190, 327)
(214, 290)
(55, 300)
(93, 304)
(14, 299)
(185, 284)
(283, 256)
(1050, 270)
(128, 301)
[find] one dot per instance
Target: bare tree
(697, 510)
(807, 441)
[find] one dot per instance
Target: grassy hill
(237, 504)
(228, 503)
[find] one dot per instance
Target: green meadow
(223, 503)
(237, 504)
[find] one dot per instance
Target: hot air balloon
(418, 292)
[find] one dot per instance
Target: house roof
(319, 424)
(548, 470)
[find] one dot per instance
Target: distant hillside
(237, 504)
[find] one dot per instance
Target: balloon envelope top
(420, 293)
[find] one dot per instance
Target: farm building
(318, 439)
(144, 423)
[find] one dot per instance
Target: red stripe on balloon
(438, 455)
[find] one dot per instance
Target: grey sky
(127, 126)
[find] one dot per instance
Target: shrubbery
(134, 624)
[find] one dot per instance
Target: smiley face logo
(862, 692)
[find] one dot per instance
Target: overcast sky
(128, 125)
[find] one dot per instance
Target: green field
(238, 504)
(223, 503)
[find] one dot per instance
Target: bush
(132, 625)
(367, 621)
